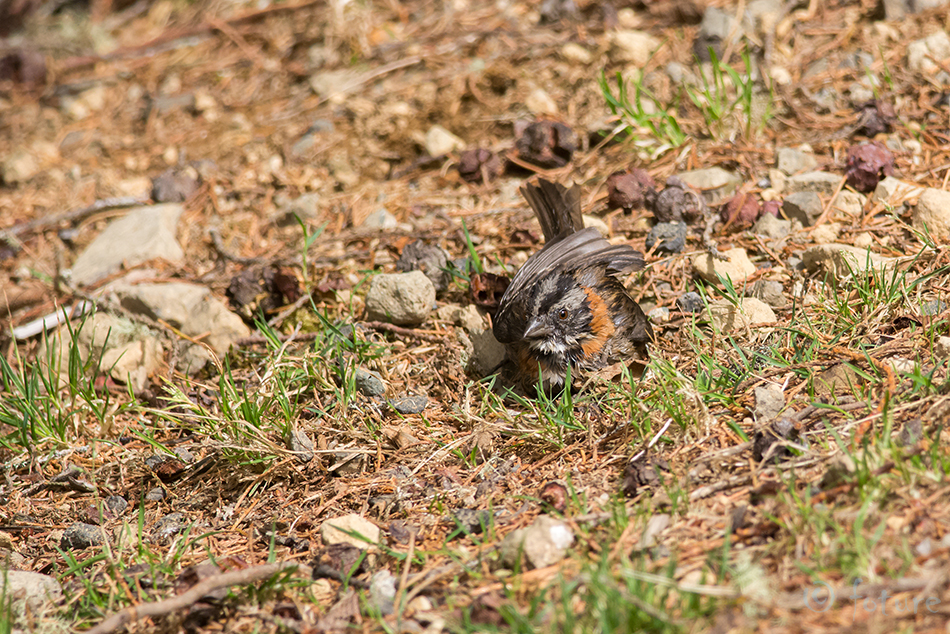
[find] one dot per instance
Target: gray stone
(821, 183)
(190, 308)
(351, 529)
(380, 220)
(690, 302)
(667, 237)
(714, 183)
(849, 202)
(432, 260)
(920, 52)
(409, 404)
(144, 234)
(932, 215)
(727, 317)
(487, 352)
(440, 141)
(803, 206)
(134, 362)
(892, 191)
(400, 298)
(634, 47)
(771, 227)
(369, 383)
(659, 315)
(19, 167)
(791, 161)
(841, 260)
(657, 523)
(769, 401)
(382, 591)
(942, 347)
(80, 536)
(168, 526)
(37, 592)
(932, 308)
(737, 267)
(544, 543)
(305, 207)
(719, 24)
(770, 292)
(301, 444)
(156, 494)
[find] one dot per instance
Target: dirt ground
(247, 107)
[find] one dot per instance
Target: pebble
(338, 530)
(842, 260)
(39, 592)
(409, 404)
(942, 347)
(382, 591)
(634, 47)
(791, 161)
(715, 183)
(404, 299)
(932, 214)
(380, 220)
(892, 191)
(667, 237)
(544, 543)
(690, 302)
(727, 317)
(932, 308)
(80, 536)
(803, 206)
(432, 260)
(771, 227)
(369, 383)
(659, 315)
(577, 54)
(169, 526)
(539, 102)
(922, 52)
(440, 141)
(769, 401)
(738, 267)
(770, 292)
(821, 183)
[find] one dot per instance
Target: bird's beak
(537, 329)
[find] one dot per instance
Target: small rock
(369, 383)
(134, 362)
(175, 185)
(80, 536)
(804, 206)
(339, 530)
(791, 161)
(544, 543)
(690, 302)
(19, 167)
(892, 191)
(738, 267)
(821, 183)
(428, 258)
(487, 353)
(932, 215)
(667, 237)
(932, 308)
(657, 523)
(169, 526)
(382, 592)
(719, 24)
(942, 347)
(634, 47)
(540, 102)
(826, 233)
(768, 436)
(440, 141)
(727, 317)
(922, 52)
(471, 521)
(849, 202)
(190, 308)
(409, 404)
(842, 260)
(597, 223)
(301, 444)
(659, 315)
(156, 495)
(305, 207)
(38, 592)
(769, 401)
(576, 54)
(144, 234)
(771, 227)
(677, 202)
(380, 220)
(714, 183)
(770, 292)
(400, 298)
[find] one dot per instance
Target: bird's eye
(562, 314)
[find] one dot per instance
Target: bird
(565, 311)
